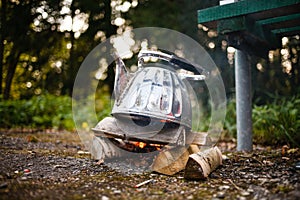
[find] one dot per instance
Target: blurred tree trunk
(2, 24)
(12, 63)
(107, 19)
(73, 65)
(16, 19)
(111, 30)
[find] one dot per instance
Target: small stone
(221, 195)
(117, 191)
(224, 157)
(275, 180)
(245, 193)
(297, 165)
(250, 190)
(241, 198)
(63, 180)
(104, 198)
(3, 185)
(153, 175)
(224, 187)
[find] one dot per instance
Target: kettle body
(155, 92)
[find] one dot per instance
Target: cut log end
(193, 170)
(201, 164)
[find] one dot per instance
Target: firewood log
(170, 161)
(102, 148)
(201, 164)
(173, 160)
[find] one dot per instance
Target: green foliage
(45, 111)
(103, 107)
(49, 111)
(230, 120)
(278, 122)
(86, 114)
(275, 123)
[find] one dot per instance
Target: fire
(140, 144)
(136, 146)
(157, 146)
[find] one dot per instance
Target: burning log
(201, 164)
(102, 148)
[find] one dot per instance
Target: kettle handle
(179, 63)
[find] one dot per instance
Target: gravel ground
(54, 165)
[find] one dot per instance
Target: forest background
(43, 43)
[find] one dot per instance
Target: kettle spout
(121, 78)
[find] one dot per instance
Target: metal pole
(243, 101)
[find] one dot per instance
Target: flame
(136, 146)
(140, 144)
(143, 145)
(157, 146)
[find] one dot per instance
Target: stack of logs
(196, 162)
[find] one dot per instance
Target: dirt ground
(52, 165)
